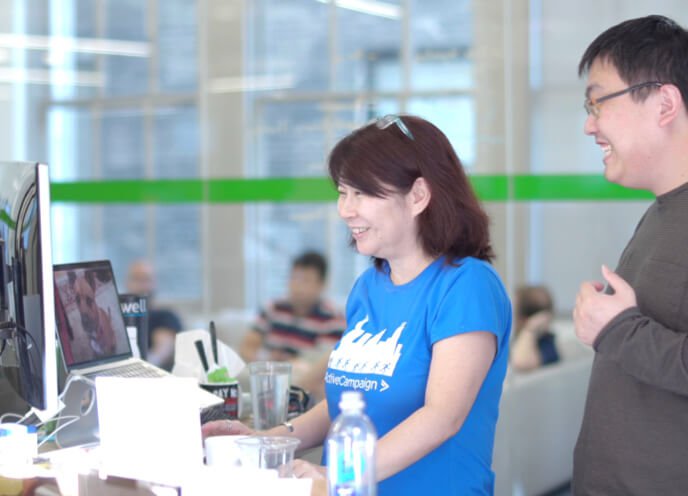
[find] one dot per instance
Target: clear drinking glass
(270, 382)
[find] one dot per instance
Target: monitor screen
(27, 308)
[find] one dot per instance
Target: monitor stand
(80, 404)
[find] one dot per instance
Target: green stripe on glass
(492, 188)
(572, 188)
(129, 191)
(304, 189)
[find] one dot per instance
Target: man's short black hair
(652, 48)
(314, 260)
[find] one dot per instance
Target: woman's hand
(305, 470)
(225, 428)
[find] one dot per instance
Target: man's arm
(252, 342)
(614, 326)
(313, 380)
(647, 350)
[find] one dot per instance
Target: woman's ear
(419, 196)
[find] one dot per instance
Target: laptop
(91, 328)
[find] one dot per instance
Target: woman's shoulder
(473, 273)
(470, 266)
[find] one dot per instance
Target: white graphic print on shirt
(361, 352)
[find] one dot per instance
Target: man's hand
(595, 309)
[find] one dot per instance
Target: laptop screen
(89, 318)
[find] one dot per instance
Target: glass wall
(118, 100)
(183, 94)
(569, 241)
(345, 64)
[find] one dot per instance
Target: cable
(13, 330)
(10, 414)
(71, 420)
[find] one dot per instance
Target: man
(299, 328)
(634, 436)
(163, 324)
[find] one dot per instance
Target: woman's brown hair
(381, 161)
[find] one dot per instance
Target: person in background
(427, 325)
(634, 435)
(300, 327)
(163, 323)
(533, 343)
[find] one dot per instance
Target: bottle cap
(351, 400)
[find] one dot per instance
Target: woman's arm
(458, 368)
(310, 428)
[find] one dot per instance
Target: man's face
(625, 129)
(305, 286)
(85, 298)
(140, 279)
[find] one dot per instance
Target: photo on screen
(90, 309)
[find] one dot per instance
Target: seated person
(299, 328)
(533, 342)
(163, 324)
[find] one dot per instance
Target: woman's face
(381, 227)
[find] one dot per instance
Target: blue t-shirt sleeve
(473, 300)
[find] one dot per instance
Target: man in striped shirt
(302, 325)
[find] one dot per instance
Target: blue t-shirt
(385, 354)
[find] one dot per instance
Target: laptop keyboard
(215, 412)
(135, 369)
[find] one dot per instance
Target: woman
(428, 324)
(533, 344)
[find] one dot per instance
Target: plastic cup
(269, 452)
(222, 451)
(270, 382)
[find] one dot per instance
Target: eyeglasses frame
(592, 105)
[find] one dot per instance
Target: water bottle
(351, 450)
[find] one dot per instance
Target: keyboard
(134, 369)
(215, 412)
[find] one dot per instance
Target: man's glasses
(592, 105)
(390, 119)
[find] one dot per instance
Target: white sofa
(539, 419)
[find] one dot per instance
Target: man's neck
(302, 309)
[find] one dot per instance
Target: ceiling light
(80, 45)
(371, 7)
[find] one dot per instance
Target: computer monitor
(27, 307)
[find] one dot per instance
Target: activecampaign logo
(364, 353)
(344, 381)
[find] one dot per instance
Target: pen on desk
(201, 353)
(213, 340)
